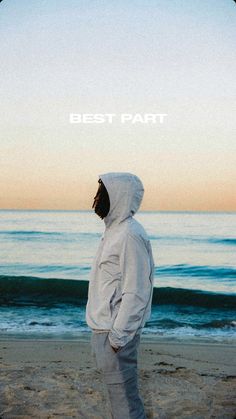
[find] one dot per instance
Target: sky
(63, 57)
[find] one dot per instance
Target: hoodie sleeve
(135, 268)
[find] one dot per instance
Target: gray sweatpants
(119, 371)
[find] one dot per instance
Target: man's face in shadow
(101, 202)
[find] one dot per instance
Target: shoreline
(145, 338)
(58, 378)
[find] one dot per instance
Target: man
(120, 291)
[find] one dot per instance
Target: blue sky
(173, 57)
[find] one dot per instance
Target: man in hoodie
(120, 291)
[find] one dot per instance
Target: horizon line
(140, 211)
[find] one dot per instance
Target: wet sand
(58, 379)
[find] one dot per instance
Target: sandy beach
(58, 378)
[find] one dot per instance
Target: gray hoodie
(121, 281)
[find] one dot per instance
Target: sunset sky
(103, 56)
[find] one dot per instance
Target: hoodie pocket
(115, 302)
(112, 302)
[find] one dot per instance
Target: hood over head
(125, 192)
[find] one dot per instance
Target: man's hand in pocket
(115, 349)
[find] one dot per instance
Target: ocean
(45, 262)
